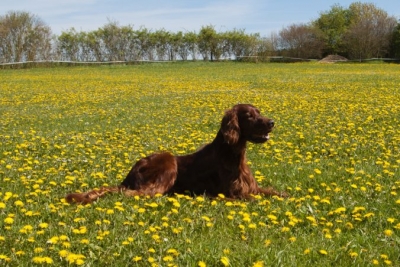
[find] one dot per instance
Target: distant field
(335, 149)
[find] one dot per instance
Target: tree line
(360, 31)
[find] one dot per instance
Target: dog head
(245, 122)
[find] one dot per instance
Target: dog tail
(90, 196)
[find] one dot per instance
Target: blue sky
(255, 16)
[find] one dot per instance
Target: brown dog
(217, 168)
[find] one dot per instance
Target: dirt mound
(333, 58)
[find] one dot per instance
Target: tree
(209, 43)
(115, 40)
(24, 36)
(68, 46)
(395, 42)
(333, 25)
(190, 44)
(143, 44)
(301, 40)
(162, 42)
(240, 44)
(370, 31)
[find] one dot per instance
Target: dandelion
(168, 258)
(4, 258)
(225, 261)
(8, 220)
(353, 254)
(369, 214)
(63, 253)
(42, 260)
(110, 211)
(375, 262)
(388, 232)
(137, 258)
(152, 205)
(391, 220)
(349, 225)
(340, 210)
(387, 262)
(206, 218)
(252, 226)
(19, 203)
(173, 252)
(201, 264)
(19, 253)
(328, 236)
(307, 251)
(38, 250)
(43, 225)
(323, 252)
(285, 229)
(200, 199)
(258, 264)
(79, 262)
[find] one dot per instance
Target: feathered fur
(217, 168)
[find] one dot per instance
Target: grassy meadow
(335, 149)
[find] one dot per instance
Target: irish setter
(217, 168)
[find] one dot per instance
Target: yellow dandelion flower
(79, 262)
(285, 229)
(20, 253)
(4, 257)
(353, 254)
(110, 211)
(38, 250)
(225, 261)
(84, 241)
(63, 253)
(168, 258)
(375, 262)
(43, 225)
(258, 264)
(137, 258)
(388, 232)
(8, 220)
(391, 220)
(323, 252)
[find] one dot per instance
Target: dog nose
(271, 123)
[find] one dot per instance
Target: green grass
(335, 149)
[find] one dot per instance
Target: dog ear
(230, 127)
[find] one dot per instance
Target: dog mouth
(260, 138)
